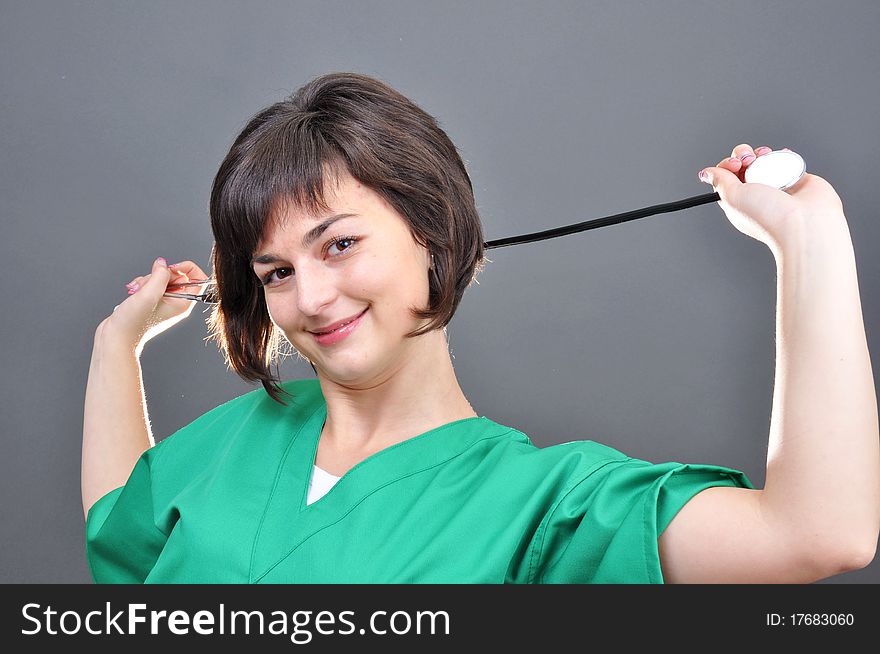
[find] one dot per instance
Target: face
(365, 268)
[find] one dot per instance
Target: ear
(426, 253)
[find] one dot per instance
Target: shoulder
(588, 464)
(517, 457)
(304, 397)
(253, 415)
(580, 453)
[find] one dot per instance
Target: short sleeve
(604, 528)
(123, 541)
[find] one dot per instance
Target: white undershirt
(321, 482)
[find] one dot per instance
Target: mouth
(340, 330)
(338, 325)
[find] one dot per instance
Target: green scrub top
(223, 500)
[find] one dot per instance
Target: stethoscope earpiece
(780, 169)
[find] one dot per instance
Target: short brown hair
(336, 121)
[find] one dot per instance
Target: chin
(343, 368)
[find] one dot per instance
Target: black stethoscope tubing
(779, 168)
(687, 203)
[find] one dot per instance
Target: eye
(342, 244)
(276, 274)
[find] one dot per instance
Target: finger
(146, 292)
(177, 275)
(187, 269)
(178, 272)
(733, 164)
(744, 153)
(764, 149)
(725, 182)
(156, 282)
(135, 284)
(178, 278)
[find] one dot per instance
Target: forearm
(823, 466)
(115, 424)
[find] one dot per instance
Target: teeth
(338, 328)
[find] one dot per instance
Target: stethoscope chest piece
(780, 169)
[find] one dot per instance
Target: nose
(315, 289)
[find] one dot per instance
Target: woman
(344, 223)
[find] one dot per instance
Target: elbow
(855, 554)
(863, 557)
(862, 548)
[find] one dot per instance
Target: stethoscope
(780, 169)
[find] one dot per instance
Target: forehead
(342, 193)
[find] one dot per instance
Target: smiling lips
(338, 330)
(336, 325)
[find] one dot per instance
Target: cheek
(390, 284)
(276, 312)
(281, 307)
(399, 282)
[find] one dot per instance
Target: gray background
(655, 337)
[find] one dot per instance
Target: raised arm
(819, 511)
(116, 428)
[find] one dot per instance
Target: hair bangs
(286, 162)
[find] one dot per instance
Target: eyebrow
(310, 237)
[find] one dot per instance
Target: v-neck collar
(313, 438)
(288, 520)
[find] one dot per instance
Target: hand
(765, 213)
(147, 312)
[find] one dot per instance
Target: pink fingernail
(134, 287)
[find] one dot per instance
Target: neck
(418, 394)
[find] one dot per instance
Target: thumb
(155, 286)
(725, 182)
